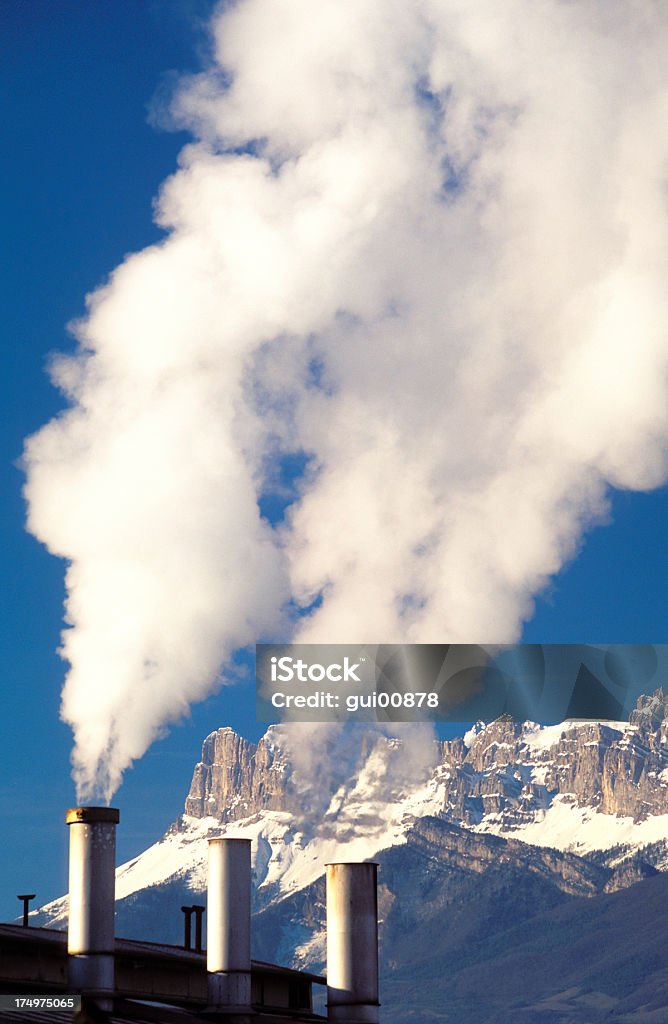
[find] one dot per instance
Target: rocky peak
(494, 744)
(510, 772)
(236, 778)
(651, 711)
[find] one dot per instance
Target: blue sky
(80, 167)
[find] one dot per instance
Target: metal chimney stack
(228, 915)
(352, 944)
(90, 936)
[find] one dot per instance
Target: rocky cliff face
(514, 771)
(505, 775)
(236, 778)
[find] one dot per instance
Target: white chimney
(228, 958)
(352, 944)
(90, 936)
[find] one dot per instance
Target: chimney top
(88, 815)
(229, 839)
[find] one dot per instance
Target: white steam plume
(328, 760)
(425, 244)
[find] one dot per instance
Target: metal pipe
(188, 913)
(90, 936)
(228, 927)
(26, 897)
(352, 944)
(198, 912)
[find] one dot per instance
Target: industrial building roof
(155, 983)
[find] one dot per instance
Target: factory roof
(155, 982)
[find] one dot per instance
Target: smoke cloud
(333, 764)
(420, 250)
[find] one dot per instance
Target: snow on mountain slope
(565, 826)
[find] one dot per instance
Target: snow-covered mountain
(512, 821)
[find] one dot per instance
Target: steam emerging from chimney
(420, 247)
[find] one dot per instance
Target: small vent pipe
(90, 936)
(352, 944)
(25, 898)
(228, 928)
(188, 912)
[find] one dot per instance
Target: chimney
(228, 959)
(352, 944)
(90, 937)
